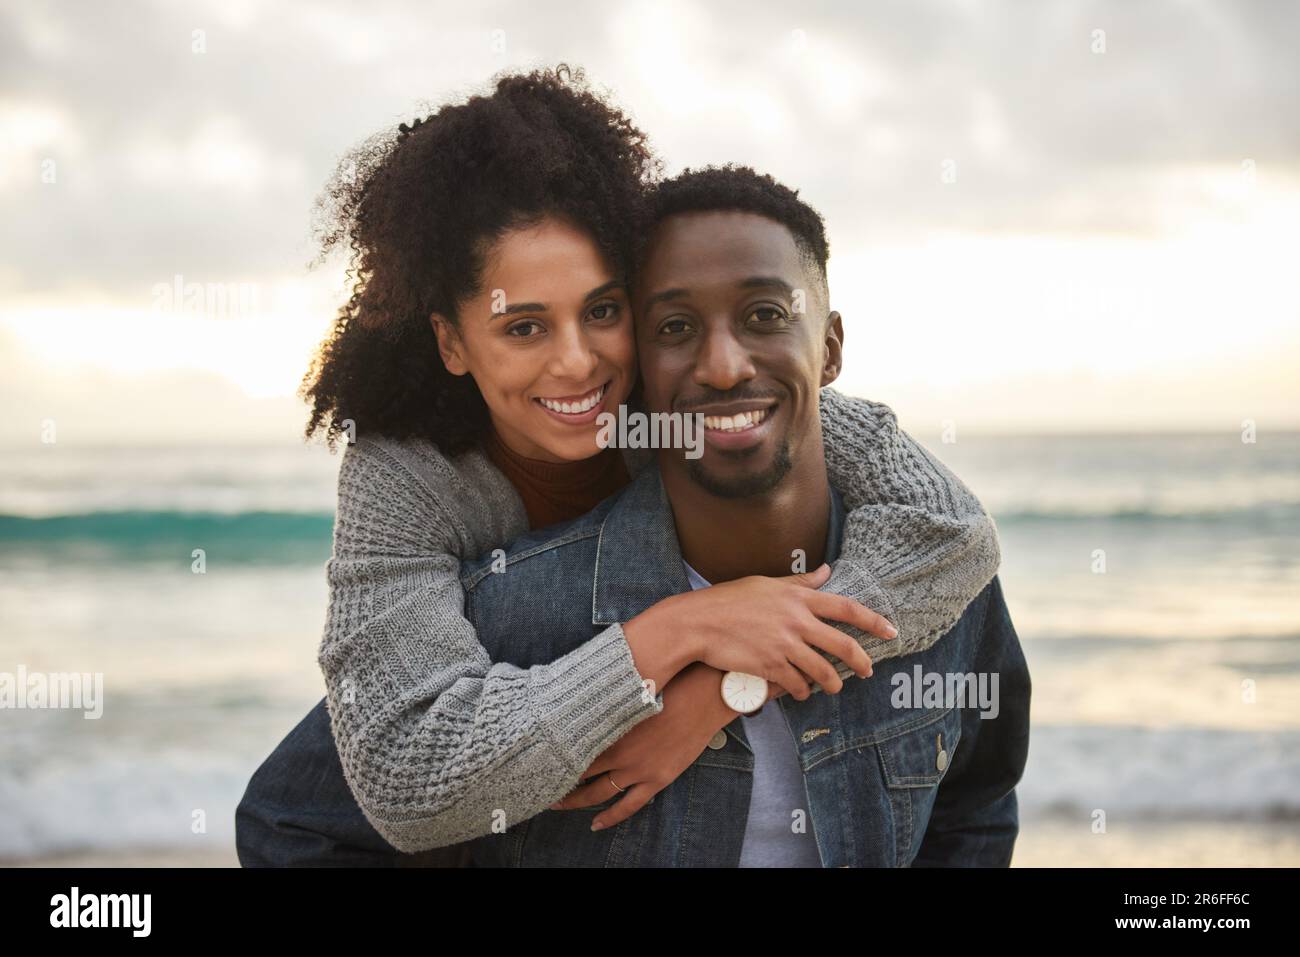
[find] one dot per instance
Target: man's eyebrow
(760, 282)
(666, 295)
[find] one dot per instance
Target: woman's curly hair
(420, 209)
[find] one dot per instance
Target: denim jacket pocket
(914, 762)
(508, 849)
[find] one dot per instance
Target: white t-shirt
(770, 839)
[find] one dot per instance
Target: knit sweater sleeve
(438, 743)
(918, 546)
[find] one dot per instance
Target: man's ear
(834, 349)
(449, 345)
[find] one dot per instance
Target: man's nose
(722, 362)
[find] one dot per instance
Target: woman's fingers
(841, 607)
(835, 642)
(637, 797)
(792, 680)
(845, 609)
(818, 669)
(584, 795)
(814, 579)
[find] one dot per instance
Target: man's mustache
(718, 398)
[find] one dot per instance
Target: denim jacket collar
(639, 557)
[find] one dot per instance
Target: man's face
(732, 322)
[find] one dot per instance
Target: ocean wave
(149, 534)
(1264, 514)
(124, 798)
(124, 801)
(1181, 773)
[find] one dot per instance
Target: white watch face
(743, 692)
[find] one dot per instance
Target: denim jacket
(892, 779)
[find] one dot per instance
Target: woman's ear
(834, 349)
(450, 346)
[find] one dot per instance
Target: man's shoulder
(855, 414)
(983, 628)
(552, 541)
(988, 602)
(632, 516)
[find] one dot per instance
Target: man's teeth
(735, 423)
(583, 405)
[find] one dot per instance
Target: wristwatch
(743, 692)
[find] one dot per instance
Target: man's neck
(725, 539)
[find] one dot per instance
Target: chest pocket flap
(920, 756)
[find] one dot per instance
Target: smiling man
(733, 324)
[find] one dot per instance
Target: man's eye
(673, 326)
(526, 328)
(767, 314)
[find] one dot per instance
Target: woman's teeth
(582, 405)
(735, 423)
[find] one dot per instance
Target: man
(732, 320)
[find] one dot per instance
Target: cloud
(170, 162)
(89, 405)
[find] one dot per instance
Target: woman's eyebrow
(519, 307)
(601, 290)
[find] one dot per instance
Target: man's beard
(745, 486)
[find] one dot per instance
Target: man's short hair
(743, 189)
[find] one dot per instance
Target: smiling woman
(506, 225)
(549, 363)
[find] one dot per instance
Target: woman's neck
(557, 491)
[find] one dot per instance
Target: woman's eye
(526, 328)
(606, 310)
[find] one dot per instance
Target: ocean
(1153, 581)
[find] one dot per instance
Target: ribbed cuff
(591, 697)
(852, 578)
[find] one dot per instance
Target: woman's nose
(574, 357)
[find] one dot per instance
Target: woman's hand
(657, 750)
(770, 627)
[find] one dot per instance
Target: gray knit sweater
(431, 732)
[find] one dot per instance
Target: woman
(489, 326)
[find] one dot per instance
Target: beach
(1153, 581)
(1041, 844)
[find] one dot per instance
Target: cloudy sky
(1045, 217)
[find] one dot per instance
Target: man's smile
(738, 425)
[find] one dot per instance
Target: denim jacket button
(940, 754)
(718, 741)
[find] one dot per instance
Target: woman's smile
(576, 409)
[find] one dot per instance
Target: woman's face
(549, 341)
